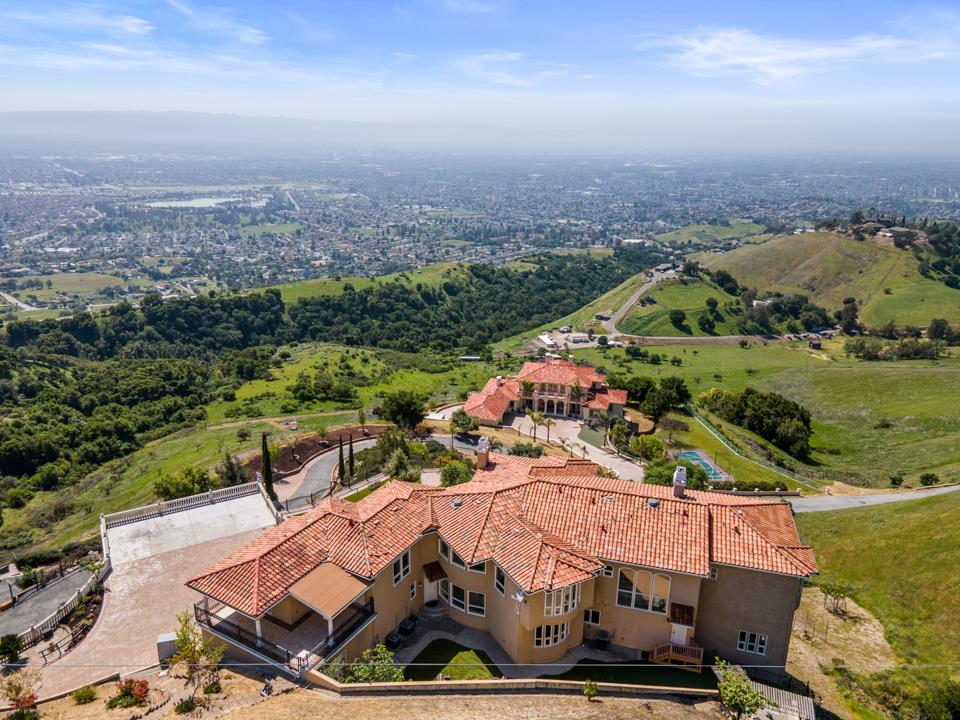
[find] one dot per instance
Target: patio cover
(434, 571)
(328, 589)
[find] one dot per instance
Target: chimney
(483, 453)
(680, 482)
(499, 379)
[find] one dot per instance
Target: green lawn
(361, 494)
(636, 673)
(688, 295)
(829, 268)
(710, 234)
(453, 659)
(275, 228)
(81, 283)
(902, 560)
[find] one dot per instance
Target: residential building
(543, 554)
(553, 387)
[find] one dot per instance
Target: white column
(257, 622)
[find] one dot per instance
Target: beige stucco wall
(640, 629)
(742, 599)
(289, 610)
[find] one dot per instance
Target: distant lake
(203, 202)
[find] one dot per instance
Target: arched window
(661, 593)
(633, 589)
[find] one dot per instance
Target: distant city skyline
(698, 76)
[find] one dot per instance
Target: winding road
(17, 303)
(825, 503)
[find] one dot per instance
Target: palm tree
(537, 419)
(548, 423)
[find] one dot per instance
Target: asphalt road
(40, 606)
(824, 503)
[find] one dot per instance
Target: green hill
(829, 268)
(710, 234)
(902, 561)
(429, 275)
(689, 295)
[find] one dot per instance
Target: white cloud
(503, 67)
(218, 22)
(769, 59)
(77, 17)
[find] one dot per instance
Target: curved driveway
(824, 503)
(315, 476)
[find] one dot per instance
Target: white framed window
(413, 590)
(456, 559)
(443, 549)
(642, 590)
(458, 597)
(608, 570)
(499, 580)
(562, 601)
(480, 567)
(401, 567)
(476, 603)
(714, 571)
(445, 590)
(547, 635)
(591, 617)
(751, 642)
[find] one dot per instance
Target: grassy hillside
(689, 295)
(710, 234)
(584, 318)
(870, 419)
(918, 604)
(829, 268)
(429, 275)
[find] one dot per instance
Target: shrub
(130, 693)
(929, 478)
(10, 647)
(525, 449)
(86, 694)
(455, 472)
(213, 688)
(590, 690)
(374, 665)
(188, 704)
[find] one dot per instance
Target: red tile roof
(548, 522)
(560, 372)
(491, 402)
(603, 400)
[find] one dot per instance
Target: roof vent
(457, 502)
(653, 502)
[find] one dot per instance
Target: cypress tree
(267, 470)
(340, 467)
(350, 460)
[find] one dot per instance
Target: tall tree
(350, 465)
(267, 468)
(341, 468)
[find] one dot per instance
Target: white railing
(50, 623)
(161, 508)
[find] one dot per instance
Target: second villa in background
(552, 387)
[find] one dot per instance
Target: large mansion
(553, 387)
(543, 554)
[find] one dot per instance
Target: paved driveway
(823, 503)
(38, 607)
(315, 476)
(569, 430)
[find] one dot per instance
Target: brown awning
(328, 589)
(434, 571)
(681, 614)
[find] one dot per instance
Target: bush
(590, 690)
(130, 693)
(86, 694)
(525, 449)
(929, 478)
(213, 688)
(188, 704)
(10, 647)
(455, 472)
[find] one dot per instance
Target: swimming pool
(714, 473)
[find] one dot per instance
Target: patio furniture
(407, 626)
(393, 641)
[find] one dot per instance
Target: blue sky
(836, 72)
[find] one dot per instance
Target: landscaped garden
(450, 659)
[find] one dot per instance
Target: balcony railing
(692, 653)
(359, 615)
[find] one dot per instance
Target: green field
(689, 295)
(870, 419)
(710, 234)
(902, 560)
(429, 275)
(81, 283)
(376, 376)
(269, 228)
(828, 268)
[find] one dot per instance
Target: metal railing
(359, 616)
(273, 652)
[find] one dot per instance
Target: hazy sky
(789, 75)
